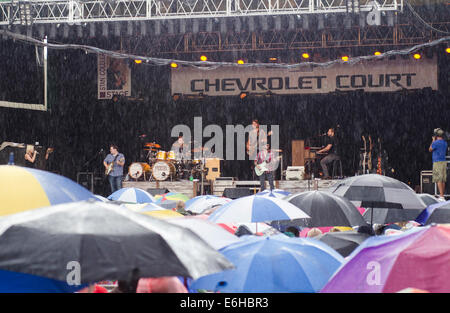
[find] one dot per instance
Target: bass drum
(163, 170)
(136, 169)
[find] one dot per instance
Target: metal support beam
(78, 11)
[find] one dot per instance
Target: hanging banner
(114, 77)
(381, 75)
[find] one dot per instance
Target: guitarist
(256, 139)
(266, 155)
(114, 163)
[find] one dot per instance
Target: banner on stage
(381, 75)
(114, 77)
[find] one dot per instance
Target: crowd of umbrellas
(367, 233)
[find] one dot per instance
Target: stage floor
(217, 187)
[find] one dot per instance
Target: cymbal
(152, 144)
(150, 149)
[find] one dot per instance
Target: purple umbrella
(418, 258)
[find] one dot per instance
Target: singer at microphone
(30, 156)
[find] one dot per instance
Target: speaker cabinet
(234, 193)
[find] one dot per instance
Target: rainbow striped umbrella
(175, 196)
(152, 209)
(23, 188)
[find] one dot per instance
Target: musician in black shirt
(331, 147)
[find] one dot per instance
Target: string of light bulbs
(210, 65)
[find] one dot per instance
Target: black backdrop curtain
(79, 126)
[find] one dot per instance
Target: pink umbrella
(160, 285)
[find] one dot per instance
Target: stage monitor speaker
(157, 191)
(86, 179)
(426, 183)
(234, 193)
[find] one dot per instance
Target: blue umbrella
(435, 213)
(132, 195)
(14, 282)
(274, 264)
(254, 208)
(277, 193)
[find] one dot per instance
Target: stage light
(305, 55)
(344, 58)
(447, 50)
(138, 61)
(203, 58)
(243, 95)
(273, 59)
(173, 65)
(240, 61)
(377, 53)
(417, 56)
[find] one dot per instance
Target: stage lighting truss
(81, 11)
(399, 36)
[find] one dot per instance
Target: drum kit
(161, 165)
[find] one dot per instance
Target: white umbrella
(200, 205)
(214, 235)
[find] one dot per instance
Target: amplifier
(295, 173)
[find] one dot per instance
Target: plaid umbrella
(378, 188)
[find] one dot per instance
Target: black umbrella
(379, 188)
(343, 242)
(106, 241)
(325, 209)
(382, 212)
(428, 199)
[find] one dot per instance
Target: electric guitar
(261, 168)
(110, 166)
(379, 168)
(364, 155)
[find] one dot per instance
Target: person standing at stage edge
(439, 149)
(331, 147)
(114, 163)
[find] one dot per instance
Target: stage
(217, 187)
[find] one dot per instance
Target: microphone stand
(91, 159)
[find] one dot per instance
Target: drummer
(181, 149)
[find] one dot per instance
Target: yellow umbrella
(24, 189)
(163, 214)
